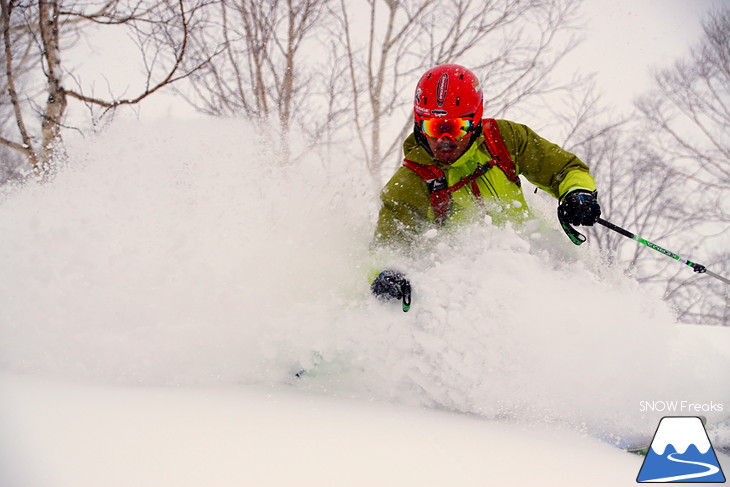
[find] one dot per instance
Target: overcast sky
(625, 39)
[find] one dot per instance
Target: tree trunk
(56, 101)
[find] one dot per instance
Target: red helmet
(448, 91)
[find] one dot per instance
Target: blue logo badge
(681, 452)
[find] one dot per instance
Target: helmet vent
(425, 100)
(458, 101)
(461, 77)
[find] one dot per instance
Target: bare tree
(20, 61)
(633, 188)
(260, 73)
(691, 107)
(343, 70)
(35, 35)
(690, 115)
(667, 176)
(512, 45)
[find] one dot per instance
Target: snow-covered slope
(86, 436)
(175, 267)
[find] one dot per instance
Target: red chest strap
(437, 187)
(435, 179)
(499, 152)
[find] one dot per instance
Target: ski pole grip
(406, 291)
(615, 228)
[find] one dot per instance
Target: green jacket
(407, 213)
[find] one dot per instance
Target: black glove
(580, 207)
(392, 285)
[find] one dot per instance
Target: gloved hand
(580, 207)
(392, 285)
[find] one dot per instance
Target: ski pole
(406, 290)
(699, 268)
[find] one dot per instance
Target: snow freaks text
(680, 407)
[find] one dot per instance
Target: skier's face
(446, 150)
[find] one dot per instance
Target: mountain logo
(681, 452)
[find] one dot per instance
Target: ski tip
(642, 451)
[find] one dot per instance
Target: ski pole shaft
(699, 268)
(717, 276)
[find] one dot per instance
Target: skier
(457, 166)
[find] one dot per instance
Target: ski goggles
(456, 128)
